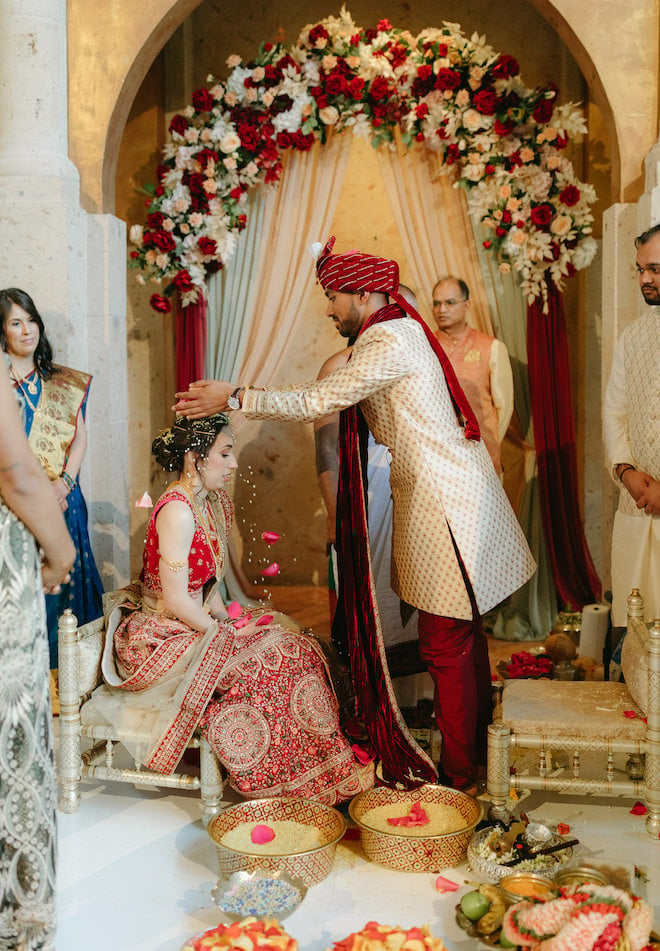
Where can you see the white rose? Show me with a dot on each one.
(329, 115)
(472, 120)
(168, 224)
(561, 225)
(229, 142)
(135, 234)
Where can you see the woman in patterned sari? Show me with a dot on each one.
(259, 687)
(55, 399)
(28, 511)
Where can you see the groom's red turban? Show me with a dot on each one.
(354, 271)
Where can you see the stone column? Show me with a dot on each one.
(70, 262)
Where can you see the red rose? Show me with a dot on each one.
(196, 183)
(543, 110)
(379, 89)
(419, 137)
(284, 140)
(163, 240)
(159, 191)
(505, 66)
(335, 84)
(182, 281)
(490, 169)
(207, 245)
(160, 304)
(317, 32)
(443, 49)
(204, 156)
(241, 222)
(485, 102)
(383, 26)
(541, 216)
(271, 75)
(322, 102)
(503, 128)
(155, 220)
(421, 110)
(249, 137)
(284, 62)
(570, 196)
(486, 244)
(424, 72)
(202, 100)
(179, 124)
(447, 79)
(561, 141)
(355, 87)
(162, 171)
(303, 142)
(355, 39)
(506, 217)
(135, 255)
(236, 193)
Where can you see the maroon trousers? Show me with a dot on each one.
(456, 654)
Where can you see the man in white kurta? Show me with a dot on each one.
(457, 547)
(631, 420)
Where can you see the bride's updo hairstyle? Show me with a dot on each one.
(186, 435)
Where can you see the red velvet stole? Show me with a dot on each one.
(356, 630)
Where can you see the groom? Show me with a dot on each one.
(457, 548)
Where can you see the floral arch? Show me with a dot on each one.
(451, 92)
(504, 143)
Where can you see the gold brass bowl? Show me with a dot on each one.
(312, 865)
(405, 853)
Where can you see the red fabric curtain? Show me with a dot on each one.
(554, 433)
(190, 343)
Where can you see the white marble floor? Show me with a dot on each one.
(136, 870)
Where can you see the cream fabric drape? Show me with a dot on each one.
(255, 304)
(300, 213)
(432, 219)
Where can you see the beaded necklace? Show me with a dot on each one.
(209, 525)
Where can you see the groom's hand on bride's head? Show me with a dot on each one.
(204, 398)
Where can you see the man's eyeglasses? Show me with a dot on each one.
(449, 303)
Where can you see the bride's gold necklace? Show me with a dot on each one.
(209, 525)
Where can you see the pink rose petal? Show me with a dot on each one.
(262, 834)
(270, 537)
(271, 570)
(416, 817)
(264, 619)
(144, 502)
(443, 885)
(242, 621)
(234, 610)
(361, 755)
(631, 714)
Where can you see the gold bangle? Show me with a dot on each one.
(174, 565)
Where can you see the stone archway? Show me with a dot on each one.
(127, 40)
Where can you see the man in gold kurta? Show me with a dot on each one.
(457, 548)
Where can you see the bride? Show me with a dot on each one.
(257, 686)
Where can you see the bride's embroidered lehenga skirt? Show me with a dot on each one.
(260, 690)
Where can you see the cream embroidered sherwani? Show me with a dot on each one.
(631, 423)
(442, 483)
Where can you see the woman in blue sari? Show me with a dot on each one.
(55, 399)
